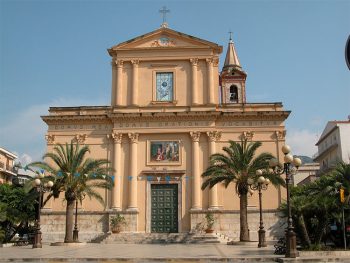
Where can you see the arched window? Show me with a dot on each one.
(233, 93)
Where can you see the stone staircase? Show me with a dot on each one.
(163, 238)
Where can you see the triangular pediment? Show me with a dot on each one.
(165, 38)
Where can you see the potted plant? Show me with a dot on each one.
(210, 222)
(117, 222)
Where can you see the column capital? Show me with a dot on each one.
(215, 62)
(214, 135)
(113, 63)
(209, 61)
(50, 138)
(80, 138)
(280, 135)
(119, 63)
(117, 137)
(133, 137)
(135, 62)
(247, 135)
(195, 136)
(194, 61)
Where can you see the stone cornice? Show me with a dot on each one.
(109, 115)
(52, 119)
(168, 116)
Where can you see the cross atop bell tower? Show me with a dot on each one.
(163, 11)
(232, 77)
(230, 32)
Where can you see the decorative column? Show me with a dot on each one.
(80, 138)
(133, 172)
(118, 91)
(50, 139)
(114, 80)
(279, 136)
(213, 192)
(117, 138)
(194, 63)
(210, 81)
(247, 135)
(135, 81)
(196, 185)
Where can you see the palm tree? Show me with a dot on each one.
(76, 176)
(342, 173)
(236, 165)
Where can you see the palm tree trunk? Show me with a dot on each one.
(244, 233)
(323, 222)
(69, 221)
(304, 231)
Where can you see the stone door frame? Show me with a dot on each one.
(149, 201)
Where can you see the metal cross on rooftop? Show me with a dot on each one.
(230, 32)
(163, 12)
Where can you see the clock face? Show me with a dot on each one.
(165, 86)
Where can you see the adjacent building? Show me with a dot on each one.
(171, 108)
(6, 166)
(306, 173)
(333, 145)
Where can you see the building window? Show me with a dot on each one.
(164, 86)
(233, 93)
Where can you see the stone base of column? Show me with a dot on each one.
(195, 209)
(46, 209)
(132, 209)
(116, 209)
(213, 208)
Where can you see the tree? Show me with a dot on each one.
(314, 206)
(236, 165)
(17, 209)
(75, 175)
(342, 174)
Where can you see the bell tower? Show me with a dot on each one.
(232, 77)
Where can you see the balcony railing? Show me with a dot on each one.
(323, 153)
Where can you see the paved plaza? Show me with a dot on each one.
(247, 252)
(139, 253)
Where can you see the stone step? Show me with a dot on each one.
(163, 238)
(146, 238)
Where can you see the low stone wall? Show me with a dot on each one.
(91, 225)
(94, 226)
(227, 222)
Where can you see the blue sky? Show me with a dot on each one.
(54, 53)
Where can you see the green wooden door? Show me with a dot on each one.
(164, 217)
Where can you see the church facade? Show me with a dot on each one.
(171, 108)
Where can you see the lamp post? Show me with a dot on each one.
(40, 188)
(76, 231)
(261, 184)
(291, 244)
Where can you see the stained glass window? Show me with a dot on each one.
(164, 86)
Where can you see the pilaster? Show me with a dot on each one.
(116, 201)
(119, 91)
(213, 137)
(114, 82)
(135, 81)
(194, 64)
(210, 80)
(133, 172)
(196, 186)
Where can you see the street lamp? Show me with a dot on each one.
(291, 244)
(76, 231)
(261, 184)
(40, 188)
